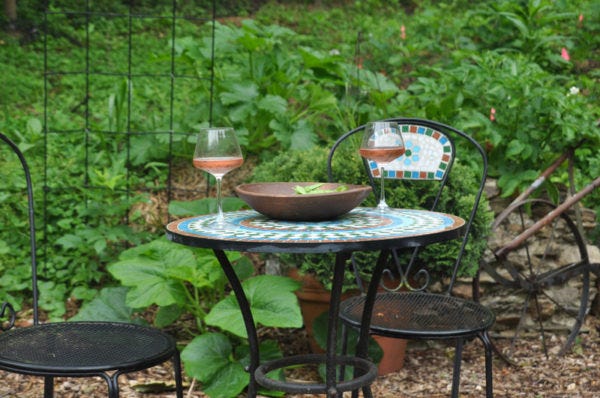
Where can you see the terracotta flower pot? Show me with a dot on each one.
(314, 300)
(394, 351)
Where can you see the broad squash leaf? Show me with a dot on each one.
(108, 306)
(149, 271)
(209, 358)
(272, 302)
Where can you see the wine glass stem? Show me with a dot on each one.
(382, 204)
(220, 217)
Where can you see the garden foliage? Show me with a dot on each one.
(520, 76)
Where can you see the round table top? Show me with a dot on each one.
(361, 229)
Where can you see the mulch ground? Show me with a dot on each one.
(427, 373)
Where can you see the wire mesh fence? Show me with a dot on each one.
(121, 105)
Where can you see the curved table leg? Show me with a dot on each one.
(246, 314)
(336, 294)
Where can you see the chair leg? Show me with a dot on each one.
(457, 365)
(48, 387)
(178, 378)
(342, 375)
(488, 346)
(113, 384)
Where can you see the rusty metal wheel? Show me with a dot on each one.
(542, 283)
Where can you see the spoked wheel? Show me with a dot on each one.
(541, 292)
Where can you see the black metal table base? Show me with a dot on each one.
(365, 372)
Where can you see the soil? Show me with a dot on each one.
(427, 373)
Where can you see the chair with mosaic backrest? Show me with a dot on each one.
(404, 307)
(77, 349)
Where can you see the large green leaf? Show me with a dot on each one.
(303, 136)
(167, 315)
(206, 355)
(273, 104)
(109, 305)
(148, 270)
(239, 93)
(229, 382)
(269, 350)
(149, 283)
(272, 302)
(209, 358)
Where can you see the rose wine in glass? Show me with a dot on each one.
(382, 143)
(218, 152)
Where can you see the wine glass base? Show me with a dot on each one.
(382, 206)
(219, 224)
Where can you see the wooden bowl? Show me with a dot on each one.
(279, 200)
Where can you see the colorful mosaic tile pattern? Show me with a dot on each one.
(359, 225)
(428, 154)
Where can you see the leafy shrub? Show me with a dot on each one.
(279, 92)
(535, 117)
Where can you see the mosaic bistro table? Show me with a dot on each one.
(363, 229)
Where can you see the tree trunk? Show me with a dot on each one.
(10, 9)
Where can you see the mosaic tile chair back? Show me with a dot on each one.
(428, 155)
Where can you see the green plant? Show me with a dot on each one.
(503, 55)
(527, 27)
(178, 282)
(277, 91)
(525, 115)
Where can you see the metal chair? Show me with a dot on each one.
(407, 310)
(78, 349)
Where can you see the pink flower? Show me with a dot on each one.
(580, 21)
(493, 114)
(403, 32)
(565, 55)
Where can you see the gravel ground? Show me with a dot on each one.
(426, 374)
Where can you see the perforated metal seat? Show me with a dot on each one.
(78, 349)
(422, 315)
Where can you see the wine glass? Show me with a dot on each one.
(382, 143)
(217, 152)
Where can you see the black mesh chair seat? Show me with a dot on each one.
(78, 347)
(420, 315)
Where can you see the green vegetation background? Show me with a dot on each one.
(521, 76)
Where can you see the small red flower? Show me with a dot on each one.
(492, 114)
(580, 20)
(565, 54)
(403, 32)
